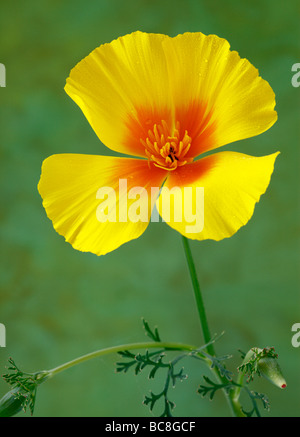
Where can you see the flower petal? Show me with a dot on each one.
(232, 183)
(219, 98)
(75, 189)
(122, 86)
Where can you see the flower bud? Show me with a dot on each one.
(10, 404)
(263, 362)
(270, 369)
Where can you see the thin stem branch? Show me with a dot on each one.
(115, 349)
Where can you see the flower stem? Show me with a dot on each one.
(198, 297)
(232, 401)
(114, 349)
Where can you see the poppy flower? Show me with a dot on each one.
(164, 102)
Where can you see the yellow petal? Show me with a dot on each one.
(218, 97)
(123, 87)
(78, 196)
(232, 184)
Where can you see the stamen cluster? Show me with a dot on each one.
(165, 150)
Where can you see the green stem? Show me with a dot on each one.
(233, 402)
(114, 349)
(198, 296)
(237, 391)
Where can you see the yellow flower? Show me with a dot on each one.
(167, 100)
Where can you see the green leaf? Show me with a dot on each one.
(153, 335)
(24, 389)
(212, 387)
(151, 401)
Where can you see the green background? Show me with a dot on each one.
(57, 303)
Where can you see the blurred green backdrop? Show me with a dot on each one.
(57, 303)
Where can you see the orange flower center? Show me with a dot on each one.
(165, 150)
